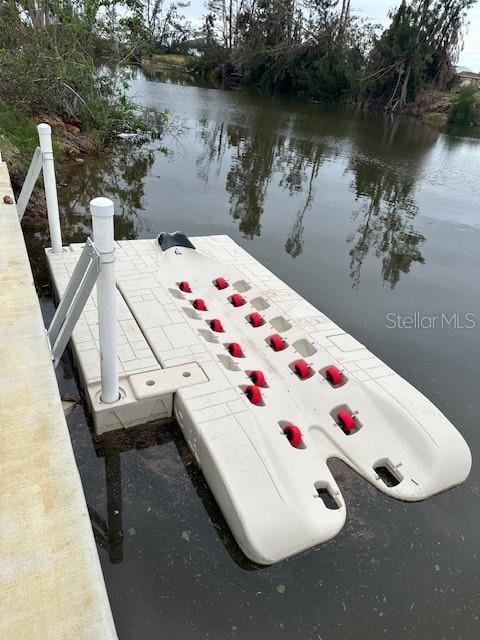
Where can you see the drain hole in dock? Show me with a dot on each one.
(186, 374)
(150, 383)
(191, 313)
(208, 336)
(176, 294)
(228, 362)
(327, 498)
(387, 473)
(241, 286)
(304, 348)
(280, 324)
(260, 304)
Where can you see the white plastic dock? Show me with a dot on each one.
(51, 583)
(276, 493)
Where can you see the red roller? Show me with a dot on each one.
(293, 434)
(237, 300)
(235, 350)
(346, 421)
(199, 305)
(302, 369)
(216, 325)
(253, 394)
(255, 319)
(277, 342)
(333, 375)
(258, 378)
(184, 286)
(220, 283)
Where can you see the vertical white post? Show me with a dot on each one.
(102, 219)
(45, 137)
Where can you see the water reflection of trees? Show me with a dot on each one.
(258, 157)
(386, 223)
(385, 159)
(118, 175)
(385, 169)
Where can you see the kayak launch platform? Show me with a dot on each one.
(264, 387)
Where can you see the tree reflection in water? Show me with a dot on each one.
(118, 175)
(258, 155)
(386, 223)
(271, 152)
(385, 173)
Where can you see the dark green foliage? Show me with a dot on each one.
(317, 49)
(419, 48)
(465, 109)
(49, 65)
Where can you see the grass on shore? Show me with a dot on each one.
(436, 120)
(18, 138)
(167, 60)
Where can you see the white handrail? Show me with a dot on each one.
(43, 160)
(50, 184)
(103, 237)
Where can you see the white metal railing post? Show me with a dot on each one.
(103, 237)
(45, 137)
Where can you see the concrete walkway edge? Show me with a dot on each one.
(51, 583)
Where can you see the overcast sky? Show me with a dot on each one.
(377, 10)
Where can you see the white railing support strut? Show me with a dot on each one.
(29, 183)
(45, 137)
(103, 238)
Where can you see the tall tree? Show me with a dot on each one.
(421, 45)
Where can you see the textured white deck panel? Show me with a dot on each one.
(267, 489)
(51, 584)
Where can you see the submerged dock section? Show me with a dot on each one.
(51, 583)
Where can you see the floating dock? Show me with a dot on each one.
(51, 583)
(265, 388)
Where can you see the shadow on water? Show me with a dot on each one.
(109, 533)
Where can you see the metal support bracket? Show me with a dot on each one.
(76, 294)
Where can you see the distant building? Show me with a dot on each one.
(469, 79)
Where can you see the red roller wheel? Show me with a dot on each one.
(333, 375)
(346, 420)
(277, 342)
(235, 350)
(237, 300)
(199, 305)
(253, 394)
(301, 369)
(184, 286)
(293, 434)
(220, 283)
(216, 325)
(258, 378)
(255, 319)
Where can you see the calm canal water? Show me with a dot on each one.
(365, 217)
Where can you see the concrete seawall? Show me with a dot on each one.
(51, 583)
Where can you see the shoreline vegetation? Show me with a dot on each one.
(68, 63)
(431, 106)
